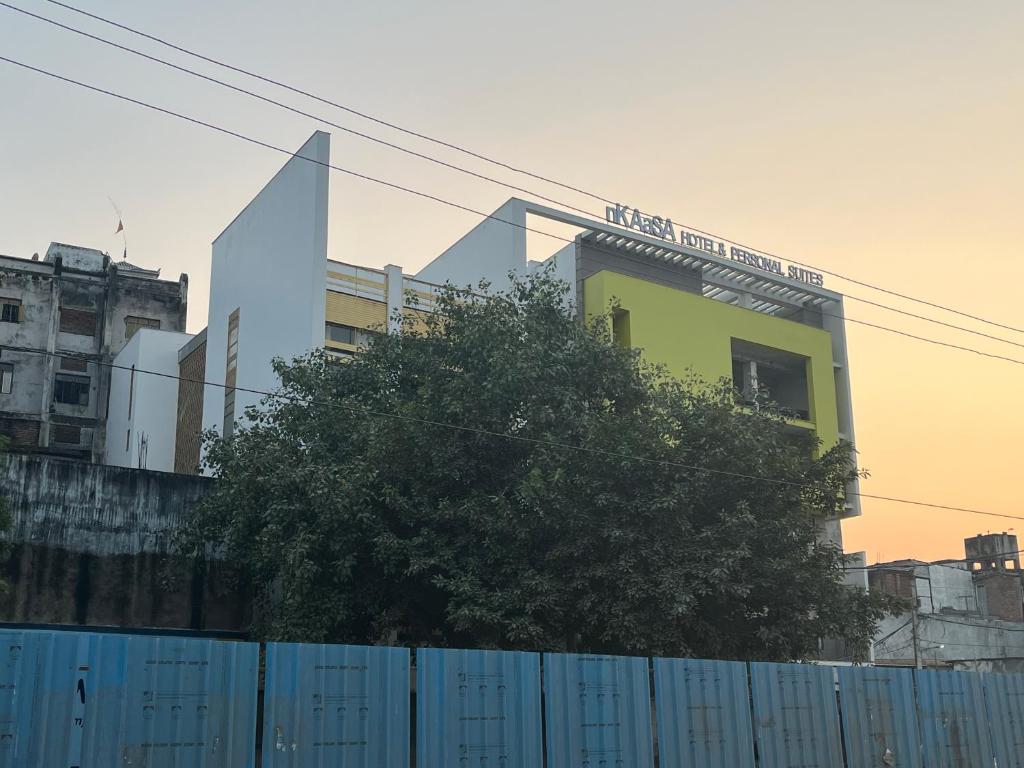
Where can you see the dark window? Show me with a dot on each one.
(6, 378)
(67, 434)
(71, 390)
(766, 375)
(620, 327)
(10, 311)
(133, 324)
(347, 334)
(81, 322)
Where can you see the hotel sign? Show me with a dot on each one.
(656, 226)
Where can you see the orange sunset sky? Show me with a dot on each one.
(878, 140)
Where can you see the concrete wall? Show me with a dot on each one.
(270, 264)
(489, 251)
(945, 639)
(92, 545)
(142, 415)
(94, 509)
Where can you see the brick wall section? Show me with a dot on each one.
(1003, 594)
(895, 583)
(23, 433)
(190, 411)
(81, 322)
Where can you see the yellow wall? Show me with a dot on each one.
(343, 309)
(684, 331)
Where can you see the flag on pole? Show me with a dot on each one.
(120, 227)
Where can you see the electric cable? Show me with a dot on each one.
(479, 156)
(429, 158)
(500, 435)
(443, 201)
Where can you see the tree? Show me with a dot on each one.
(500, 474)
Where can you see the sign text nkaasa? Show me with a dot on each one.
(656, 226)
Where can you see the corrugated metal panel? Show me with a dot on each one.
(64, 693)
(1004, 696)
(952, 714)
(796, 720)
(597, 711)
(170, 702)
(19, 652)
(477, 708)
(879, 717)
(337, 706)
(703, 712)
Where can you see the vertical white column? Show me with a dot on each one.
(395, 291)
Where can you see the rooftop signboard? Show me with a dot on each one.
(660, 227)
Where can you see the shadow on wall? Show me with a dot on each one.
(50, 585)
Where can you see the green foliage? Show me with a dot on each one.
(357, 516)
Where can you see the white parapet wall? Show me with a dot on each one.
(269, 265)
(142, 412)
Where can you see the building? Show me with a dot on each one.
(63, 320)
(994, 561)
(962, 612)
(689, 302)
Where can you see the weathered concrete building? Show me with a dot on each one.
(968, 612)
(994, 561)
(63, 319)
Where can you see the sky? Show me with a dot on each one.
(878, 140)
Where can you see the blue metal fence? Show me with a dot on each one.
(796, 720)
(879, 717)
(170, 702)
(703, 714)
(19, 652)
(951, 709)
(337, 706)
(598, 711)
(477, 708)
(1004, 699)
(91, 700)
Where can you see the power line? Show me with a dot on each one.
(432, 159)
(479, 156)
(505, 435)
(443, 201)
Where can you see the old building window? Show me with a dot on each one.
(81, 322)
(10, 310)
(6, 378)
(133, 324)
(71, 390)
(230, 374)
(67, 434)
(76, 364)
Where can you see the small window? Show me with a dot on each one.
(81, 322)
(10, 310)
(71, 390)
(347, 334)
(1010, 565)
(6, 378)
(620, 328)
(133, 324)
